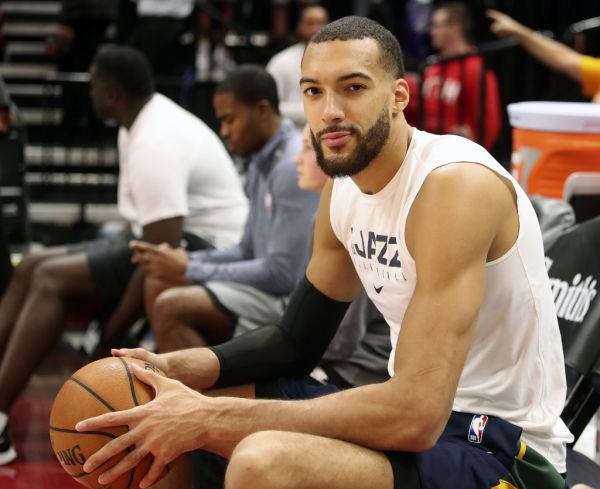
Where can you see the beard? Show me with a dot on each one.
(367, 148)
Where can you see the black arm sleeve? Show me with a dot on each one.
(291, 349)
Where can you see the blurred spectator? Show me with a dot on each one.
(80, 31)
(8, 111)
(451, 91)
(213, 60)
(414, 37)
(157, 33)
(245, 286)
(282, 15)
(285, 66)
(581, 68)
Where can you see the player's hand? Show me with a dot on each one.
(160, 261)
(161, 361)
(503, 25)
(165, 427)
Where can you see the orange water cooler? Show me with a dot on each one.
(552, 140)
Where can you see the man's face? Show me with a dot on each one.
(239, 124)
(348, 101)
(311, 21)
(102, 95)
(442, 29)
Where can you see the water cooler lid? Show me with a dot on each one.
(575, 117)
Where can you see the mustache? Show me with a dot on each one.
(331, 129)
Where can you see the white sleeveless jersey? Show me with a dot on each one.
(515, 366)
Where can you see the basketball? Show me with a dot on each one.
(100, 387)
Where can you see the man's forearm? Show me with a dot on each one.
(198, 368)
(368, 416)
(550, 52)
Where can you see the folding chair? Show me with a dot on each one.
(574, 269)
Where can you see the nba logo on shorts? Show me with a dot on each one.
(477, 427)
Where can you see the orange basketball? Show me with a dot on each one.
(100, 387)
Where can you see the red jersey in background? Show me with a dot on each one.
(451, 97)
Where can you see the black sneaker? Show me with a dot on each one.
(7, 451)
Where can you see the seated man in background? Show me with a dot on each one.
(451, 91)
(213, 294)
(581, 68)
(176, 179)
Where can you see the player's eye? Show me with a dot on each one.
(311, 91)
(355, 87)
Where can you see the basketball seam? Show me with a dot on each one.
(75, 432)
(130, 378)
(136, 403)
(92, 392)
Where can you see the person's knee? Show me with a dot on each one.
(46, 278)
(166, 307)
(257, 462)
(24, 271)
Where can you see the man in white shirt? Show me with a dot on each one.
(285, 66)
(176, 181)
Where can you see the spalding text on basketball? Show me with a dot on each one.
(71, 456)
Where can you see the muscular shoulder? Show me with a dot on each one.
(459, 201)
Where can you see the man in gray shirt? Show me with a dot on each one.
(245, 286)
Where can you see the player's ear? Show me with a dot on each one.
(401, 96)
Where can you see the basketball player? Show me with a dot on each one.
(448, 247)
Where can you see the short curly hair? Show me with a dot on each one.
(353, 27)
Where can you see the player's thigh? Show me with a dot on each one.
(274, 459)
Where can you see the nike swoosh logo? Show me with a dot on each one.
(378, 289)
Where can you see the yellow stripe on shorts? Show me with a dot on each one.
(504, 485)
(522, 450)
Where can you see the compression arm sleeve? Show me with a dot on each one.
(291, 349)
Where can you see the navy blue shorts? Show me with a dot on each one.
(475, 451)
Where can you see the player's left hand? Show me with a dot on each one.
(165, 427)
